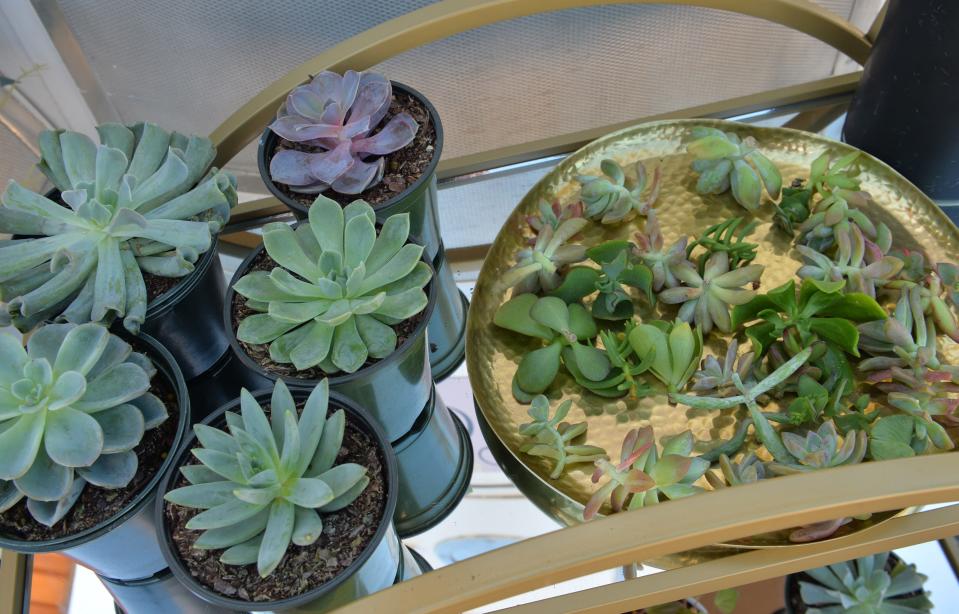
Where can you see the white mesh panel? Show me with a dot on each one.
(189, 63)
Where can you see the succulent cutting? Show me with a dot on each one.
(538, 267)
(143, 201)
(264, 482)
(674, 350)
(336, 119)
(725, 161)
(612, 197)
(552, 438)
(338, 288)
(73, 406)
(616, 273)
(563, 327)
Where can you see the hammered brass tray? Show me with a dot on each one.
(492, 354)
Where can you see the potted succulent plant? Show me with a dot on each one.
(879, 584)
(128, 233)
(88, 422)
(359, 135)
(333, 297)
(282, 505)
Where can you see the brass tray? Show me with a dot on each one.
(492, 354)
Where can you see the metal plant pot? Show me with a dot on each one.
(376, 568)
(159, 594)
(106, 547)
(447, 328)
(394, 390)
(904, 110)
(434, 467)
(419, 199)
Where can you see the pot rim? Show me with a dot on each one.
(358, 418)
(167, 366)
(341, 378)
(268, 137)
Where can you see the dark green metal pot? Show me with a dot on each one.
(419, 199)
(376, 568)
(447, 327)
(105, 547)
(161, 593)
(393, 390)
(434, 466)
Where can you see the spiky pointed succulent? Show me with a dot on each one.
(865, 586)
(724, 162)
(616, 273)
(674, 350)
(612, 197)
(552, 438)
(567, 331)
(661, 261)
(538, 267)
(340, 116)
(707, 298)
(142, 201)
(337, 289)
(264, 482)
(821, 449)
(643, 474)
(73, 406)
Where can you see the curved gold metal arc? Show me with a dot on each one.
(749, 567)
(674, 526)
(13, 580)
(444, 19)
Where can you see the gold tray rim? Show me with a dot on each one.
(538, 489)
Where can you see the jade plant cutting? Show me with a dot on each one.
(338, 121)
(724, 162)
(337, 290)
(142, 201)
(617, 273)
(552, 438)
(613, 197)
(562, 327)
(263, 483)
(73, 406)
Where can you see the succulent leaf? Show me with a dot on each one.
(612, 197)
(332, 305)
(257, 514)
(74, 422)
(724, 161)
(143, 201)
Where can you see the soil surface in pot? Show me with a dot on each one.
(345, 534)
(96, 505)
(260, 353)
(403, 167)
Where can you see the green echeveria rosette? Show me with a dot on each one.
(337, 290)
(263, 482)
(142, 201)
(73, 406)
(866, 585)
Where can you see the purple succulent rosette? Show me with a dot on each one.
(338, 114)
